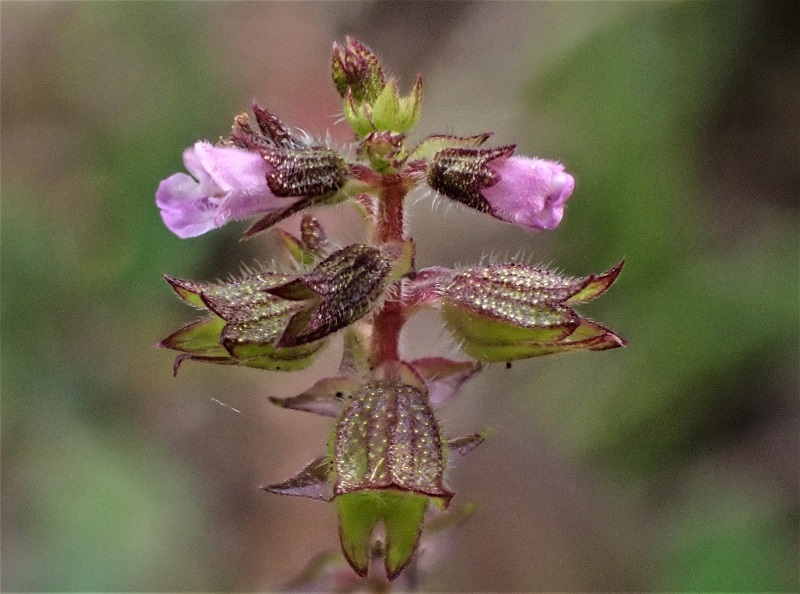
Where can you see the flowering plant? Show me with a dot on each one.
(387, 457)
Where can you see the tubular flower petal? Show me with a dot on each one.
(226, 183)
(530, 193)
(527, 192)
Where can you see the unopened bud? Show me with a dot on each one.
(355, 66)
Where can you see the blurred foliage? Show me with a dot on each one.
(72, 283)
(93, 498)
(712, 323)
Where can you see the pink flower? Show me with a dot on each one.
(527, 192)
(530, 192)
(227, 183)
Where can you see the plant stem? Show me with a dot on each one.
(390, 208)
(390, 228)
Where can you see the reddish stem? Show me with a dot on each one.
(390, 319)
(390, 208)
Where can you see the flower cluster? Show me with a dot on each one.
(388, 457)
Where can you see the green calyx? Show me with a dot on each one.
(511, 311)
(402, 515)
(243, 327)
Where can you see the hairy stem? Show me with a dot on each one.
(390, 228)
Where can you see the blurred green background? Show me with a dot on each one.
(669, 465)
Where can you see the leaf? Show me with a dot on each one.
(310, 482)
(325, 398)
(444, 377)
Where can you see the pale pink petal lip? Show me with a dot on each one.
(227, 183)
(530, 192)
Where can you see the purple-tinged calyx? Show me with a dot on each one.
(298, 168)
(277, 321)
(386, 465)
(343, 288)
(388, 438)
(527, 192)
(512, 311)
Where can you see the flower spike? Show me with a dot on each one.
(385, 466)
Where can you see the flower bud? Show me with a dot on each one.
(371, 103)
(527, 192)
(386, 462)
(511, 311)
(355, 66)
